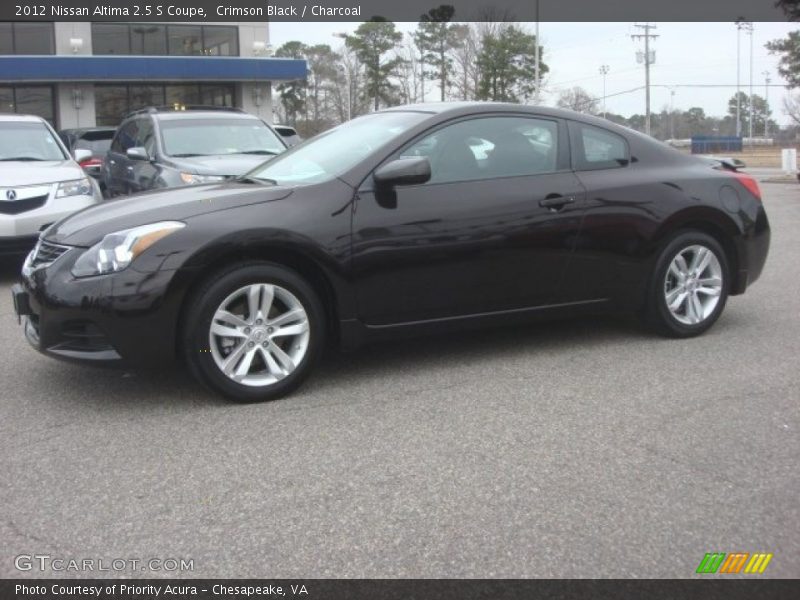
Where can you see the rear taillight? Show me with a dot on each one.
(749, 182)
(91, 162)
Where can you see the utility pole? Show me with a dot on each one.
(740, 25)
(766, 103)
(604, 71)
(672, 112)
(537, 96)
(750, 32)
(648, 60)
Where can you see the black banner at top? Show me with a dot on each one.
(395, 10)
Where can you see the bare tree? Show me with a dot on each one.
(465, 60)
(791, 106)
(579, 100)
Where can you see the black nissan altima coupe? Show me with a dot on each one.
(412, 220)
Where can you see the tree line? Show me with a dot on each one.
(378, 66)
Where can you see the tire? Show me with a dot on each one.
(293, 329)
(697, 299)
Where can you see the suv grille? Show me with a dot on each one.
(46, 253)
(20, 206)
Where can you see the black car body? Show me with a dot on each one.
(95, 139)
(577, 216)
(158, 148)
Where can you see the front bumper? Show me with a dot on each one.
(31, 222)
(127, 318)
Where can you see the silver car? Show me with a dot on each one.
(40, 183)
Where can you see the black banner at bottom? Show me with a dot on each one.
(398, 589)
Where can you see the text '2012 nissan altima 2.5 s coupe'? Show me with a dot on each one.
(411, 220)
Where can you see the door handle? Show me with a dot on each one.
(556, 202)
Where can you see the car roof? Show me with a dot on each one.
(15, 118)
(201, 114)
(82, 130)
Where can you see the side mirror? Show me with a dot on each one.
(404, 171)
(137, 153)
(81, 154)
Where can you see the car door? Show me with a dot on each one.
(117, 161)
(492, 231)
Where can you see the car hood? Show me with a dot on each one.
(19, 173)
(87, 227)
(229, 166)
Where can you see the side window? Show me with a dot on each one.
(488, 148)
(600, 149)
(126, 138)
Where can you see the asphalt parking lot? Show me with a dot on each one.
(588, 448)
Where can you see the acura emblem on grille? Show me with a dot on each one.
(11, 194)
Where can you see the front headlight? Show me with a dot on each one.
(76, 187)
(117, 250)
(194, 178)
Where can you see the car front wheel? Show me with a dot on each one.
(689, 287)
(254, 332)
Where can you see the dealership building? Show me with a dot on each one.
(81, 74)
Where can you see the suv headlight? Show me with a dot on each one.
(193, 178)
(117, 250)
(76, 187)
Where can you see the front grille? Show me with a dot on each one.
(46, 253)
(15, 207)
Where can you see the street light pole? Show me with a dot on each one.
(537, 95)
(766, 103)
(604, 71)
(740, 25)
(750, 31)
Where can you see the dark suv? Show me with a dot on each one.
(164, 147)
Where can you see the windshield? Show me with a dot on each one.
(98, 142)
(215, 137)
(333, 152)
(28, 142)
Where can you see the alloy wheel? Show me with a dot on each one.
(693, 284)
(259, 334)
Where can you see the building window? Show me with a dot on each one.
(148, 39)
(29, 100)
(27, 38)
(220, 41)
(110, 38)
(113, 102)
(163, 40)
(185, 40)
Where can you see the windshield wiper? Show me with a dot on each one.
(261, 180)
(188, 155)
(22, 158)
(264, 152)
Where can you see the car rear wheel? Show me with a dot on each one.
(254, 332)
(689, 287)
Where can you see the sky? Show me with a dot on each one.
(687, 55)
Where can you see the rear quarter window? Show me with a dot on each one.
(598, 148)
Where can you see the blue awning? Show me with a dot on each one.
(49, 69)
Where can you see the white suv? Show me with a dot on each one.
(40, 183)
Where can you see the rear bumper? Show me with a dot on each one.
(753, 249)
